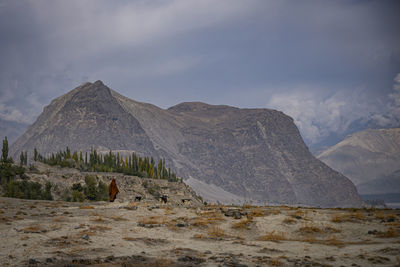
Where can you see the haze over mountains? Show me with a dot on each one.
(370, 158)
(235, 153)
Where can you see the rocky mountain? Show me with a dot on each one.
(366, 155)
(11, 129)
(240, 154)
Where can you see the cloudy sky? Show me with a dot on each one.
(328, 64)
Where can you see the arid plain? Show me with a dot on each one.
(56, 233)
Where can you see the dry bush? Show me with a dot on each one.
(153, 220)
(206, 219)
(289, 221)
(98, 228)
(330, 229)
(309, 229)
(216, 232)
(99, 219)
(257, 212)
(33, 228)
(333, 241)
(243, 224)
(199, 236)
(88, 207)
(274, 212)
(162, 262)
(117, 218)
(389, 233)
(25, 237)
(272, 236)
(60, 219)
(129, 238)
(275, 262)
(348, 217)
(246, 206)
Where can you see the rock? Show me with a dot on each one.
(32, 262)
(183, 224)
(193, 259)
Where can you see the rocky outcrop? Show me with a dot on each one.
(255, 154)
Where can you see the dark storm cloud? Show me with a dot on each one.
(281, 54)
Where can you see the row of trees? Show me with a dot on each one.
(109, 162)
(8, 169)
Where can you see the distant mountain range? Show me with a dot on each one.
(370, 158)
(225, 153)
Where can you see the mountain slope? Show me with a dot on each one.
(389, 184)
(366, 155)
(252, 153)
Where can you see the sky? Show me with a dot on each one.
(334, 66)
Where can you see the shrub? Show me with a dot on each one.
(77, 196)
(102, 191)
(90, 188)
(27, 190)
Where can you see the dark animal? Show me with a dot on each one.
(138, 198)
(164, 198)
(113, 190)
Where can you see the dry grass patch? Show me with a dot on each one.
(216, 232)
(153, 220)
(273, 236)
(99, 219)
(117, 218)
(60, 219)
(88, 207)
(99, 228)
(257, 212)
(348, 217)
(33, 228)
(389, 233)
(310, 229)
(243, 224)
(206, 219)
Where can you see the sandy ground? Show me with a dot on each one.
(53, 233)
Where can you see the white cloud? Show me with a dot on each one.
(318, 116)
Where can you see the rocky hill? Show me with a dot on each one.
(242, 154)
(130, 187)
(366, 155)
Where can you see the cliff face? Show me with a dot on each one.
(249, 153)
(366, 155)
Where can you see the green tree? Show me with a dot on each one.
(90, 188)
(47, 192)
(35, 154)
(4, 151)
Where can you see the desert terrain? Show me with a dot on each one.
(57, 233)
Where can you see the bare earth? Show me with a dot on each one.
(55, 233)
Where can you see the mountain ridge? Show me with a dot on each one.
(252, 153)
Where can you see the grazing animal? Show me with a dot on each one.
(113, 190)
(164, 198)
